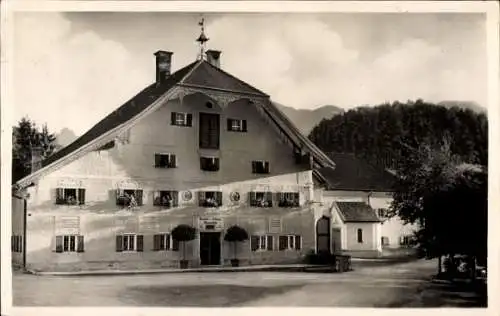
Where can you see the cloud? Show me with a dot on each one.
(71, 73)
(70, 80)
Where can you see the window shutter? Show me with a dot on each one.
(254, 243)
(218, 196)
(140, 243)
(119, 243)
(81, 196)
(269, 198)
(189, 119)
(119, 194)
(217, 164)
(59, 243)
(175, 198)
(229, 124)
(138, 197)
(156, 242)
(157, 160)
(59, 196)
(202, 163)
(172, 118)
(298, 242)
(12, 243)
(266, 167)
(254, 166)
(279, 197)
(201, 197)
(175, 245)
(173, 161)
(283, 243)
(270, 245)
(253, 198)
(156, 198)
(79, 246)
(167, 242)
(244, 125)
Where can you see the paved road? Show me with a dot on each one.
(381, 286)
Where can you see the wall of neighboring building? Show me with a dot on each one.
(393, 229)
(17, 248)
(130, 164)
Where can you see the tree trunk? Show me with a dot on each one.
(183, 250)
(439, 265)
(235, 250)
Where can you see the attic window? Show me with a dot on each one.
(260, 166)
(70, 196)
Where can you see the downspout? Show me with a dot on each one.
(25, 220)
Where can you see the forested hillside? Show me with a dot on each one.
(384, 134)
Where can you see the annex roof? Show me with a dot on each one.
(357, 212)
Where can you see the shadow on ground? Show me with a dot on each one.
(222, 295)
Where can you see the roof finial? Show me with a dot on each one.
(202, 39)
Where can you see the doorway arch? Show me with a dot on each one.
(323, 235)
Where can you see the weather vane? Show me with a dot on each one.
(202, 39)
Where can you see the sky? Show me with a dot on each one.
(72, 69)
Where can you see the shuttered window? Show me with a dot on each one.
(16, 243)
(360, 236)
(209, 164)
(129, 242)
(260, 167)
(235, 125)
(129, 198)
(69, 243)
(290, 242)
(166, 199)
(210, 198)
(181, 119)
(262, 242)
(162, 242)
(261, 199)
(165, 161)
(209, 131)
(283, 243)
(70, 196)
(288, 199)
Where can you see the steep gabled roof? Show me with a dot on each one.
(198, 74)
(355, 174)
(357, 212)
(205, 75)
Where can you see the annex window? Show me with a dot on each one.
(16, 243)
(162, 242)
(385, 241)
(209, 163)
(69, 243)
(406, 240)
(165, 161)
(210, 198)
(70, 196)
(288, 199)
(262, 242)
(261, 199)
(129, 242)
(182, 119)
(261, 167)
(382, 213)
(129, 198)
(290, 242)
(234, 125)
(166, 199)
(360, 235)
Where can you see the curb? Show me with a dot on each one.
(193, 270)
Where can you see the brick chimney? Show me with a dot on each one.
(213, 57)
(163, 65)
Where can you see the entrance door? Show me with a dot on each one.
(209, 130)
(210, 248)
(323, 235)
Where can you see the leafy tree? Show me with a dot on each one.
(26, 139)
(446, 198)
(235, 234)
(183, 233)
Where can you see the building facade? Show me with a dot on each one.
(197, 147)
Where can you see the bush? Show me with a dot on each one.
(183, 233)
